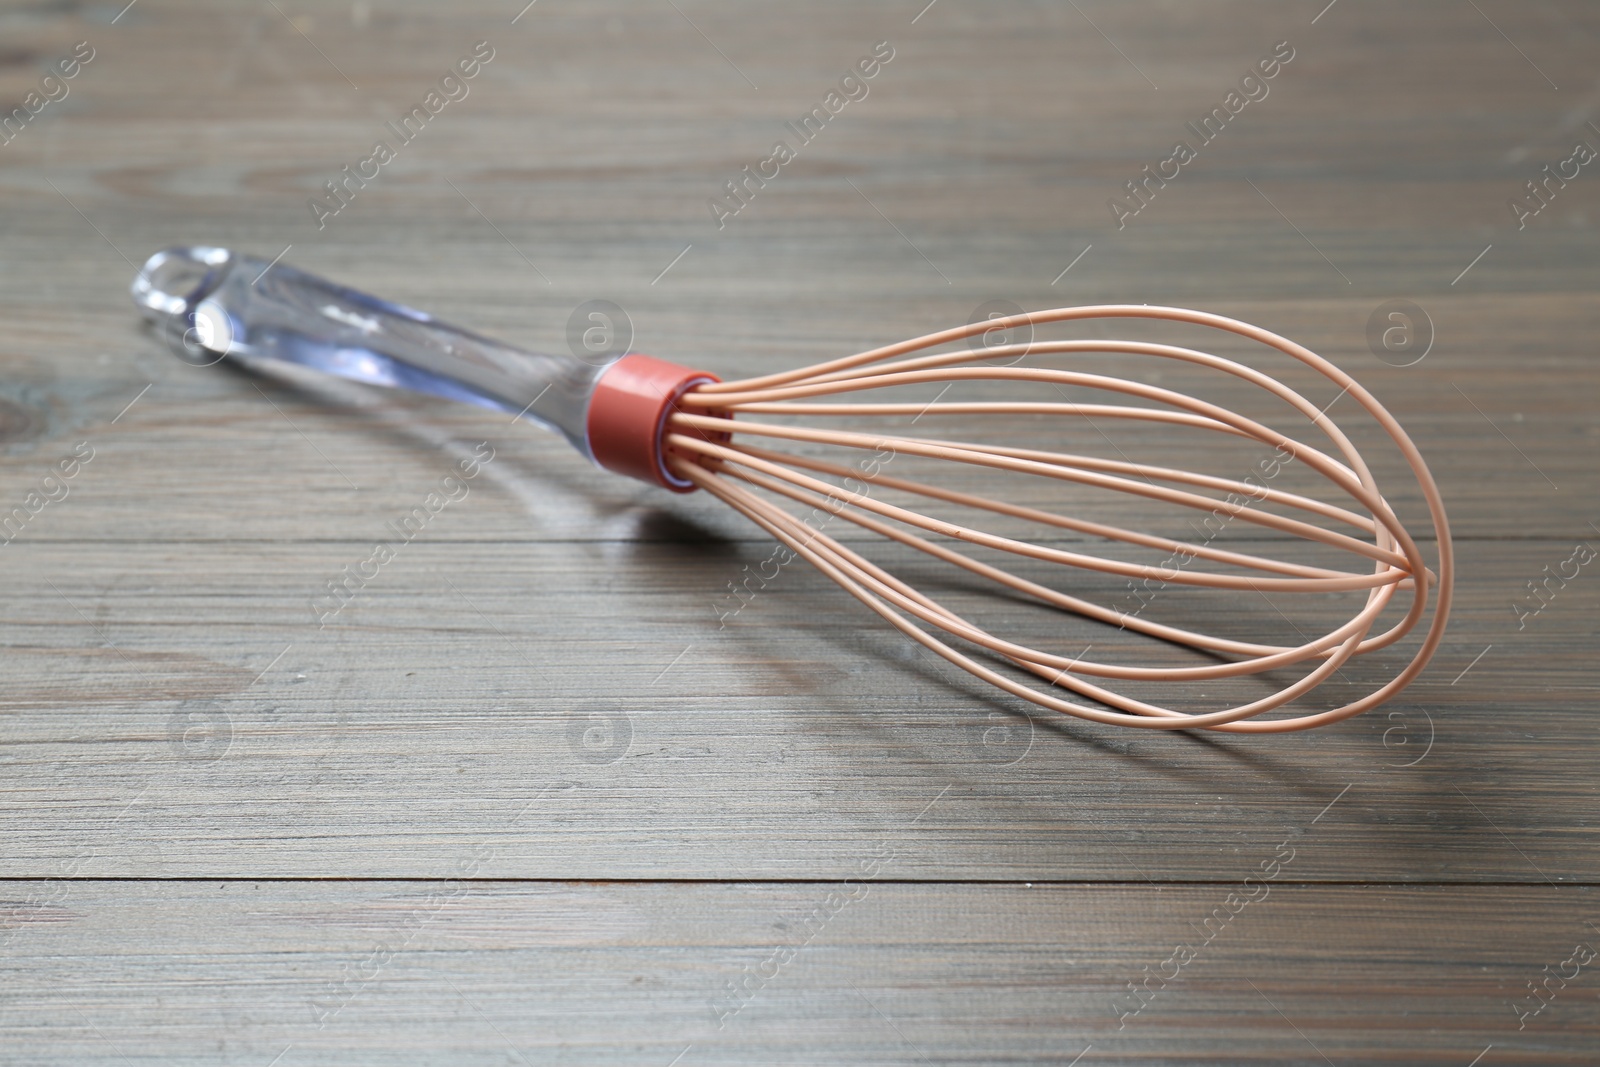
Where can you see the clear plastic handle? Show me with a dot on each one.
(225, 305)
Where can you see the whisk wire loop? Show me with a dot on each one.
(709, 438)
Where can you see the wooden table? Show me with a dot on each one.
(533, 798)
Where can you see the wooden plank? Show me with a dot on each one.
(815, 973)
(470, 680)
(230, 457)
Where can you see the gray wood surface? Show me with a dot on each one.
(217, 818)
(493, 972)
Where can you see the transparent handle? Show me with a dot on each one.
(226, 305)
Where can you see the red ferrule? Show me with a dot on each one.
(628, 417)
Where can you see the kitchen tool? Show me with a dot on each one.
(682, 429)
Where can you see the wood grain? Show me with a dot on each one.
(460, 683)
(214, 810)
(818, 973)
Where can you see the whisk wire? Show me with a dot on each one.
(707, 444)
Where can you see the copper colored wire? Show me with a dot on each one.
(754, 479)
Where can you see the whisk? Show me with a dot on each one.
(684, 429)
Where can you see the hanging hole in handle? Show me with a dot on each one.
(174, 280)
(172, 291)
